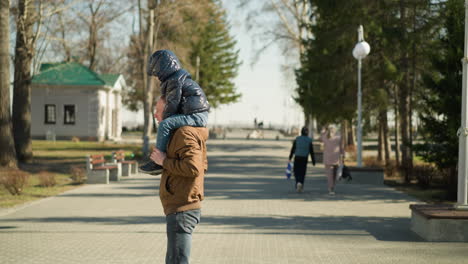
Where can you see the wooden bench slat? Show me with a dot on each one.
(105, 167)
(128, 161)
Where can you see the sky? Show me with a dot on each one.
(265, 93)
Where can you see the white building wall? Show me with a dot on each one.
(93, 111)
(60, 97)
(102, 103)
(93, 114)
(118, 101)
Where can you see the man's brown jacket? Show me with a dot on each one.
(181, 186)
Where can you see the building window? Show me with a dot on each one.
(69, 115)
(49, 114)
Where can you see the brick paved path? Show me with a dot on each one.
(251, 215)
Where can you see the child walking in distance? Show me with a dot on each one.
(186, 103)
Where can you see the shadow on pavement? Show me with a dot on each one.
(382, 228)
(246, 165)
(252, 146)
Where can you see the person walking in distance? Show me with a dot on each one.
(182, 185)
(332, 155)
(301, 148)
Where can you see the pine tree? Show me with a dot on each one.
(327, 79)
(441, 101)
(218, 58)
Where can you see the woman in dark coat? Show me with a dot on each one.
(301, 148)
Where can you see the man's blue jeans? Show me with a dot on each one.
(179, 230)
(168, 125)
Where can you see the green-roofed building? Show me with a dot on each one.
(69, 100)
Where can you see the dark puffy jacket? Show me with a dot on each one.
(183, 95)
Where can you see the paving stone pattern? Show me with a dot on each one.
(251, 215)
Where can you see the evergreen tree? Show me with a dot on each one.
(327, 79)
(441, 101)
(218, 58)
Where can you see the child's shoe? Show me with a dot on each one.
(151, 168)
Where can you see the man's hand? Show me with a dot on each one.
(157, 156)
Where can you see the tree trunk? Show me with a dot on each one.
(351, 135)
(384, 144)
(397, 132)
(404, 104)
(406, 159)
(24, 52)
(148, 102)
(310, 125)
(380, 144)
(92, 43)
(386, 137)
(344, 132)
(8, 154)
(411, 92)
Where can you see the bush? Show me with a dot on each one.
(371, 161)
(424, 174)
(391, 169)
(78, 175)
(14, 180)
(47, 179)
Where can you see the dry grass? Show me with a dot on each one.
(46, 179)
(77, 174)
(34, 191)
(53, 161)
(14, 180)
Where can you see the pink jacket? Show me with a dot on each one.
(332, 149)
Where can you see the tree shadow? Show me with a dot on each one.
(253, 146)
(280, 188)
(263, 177)
(381, 228)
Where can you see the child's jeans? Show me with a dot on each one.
(168, 125)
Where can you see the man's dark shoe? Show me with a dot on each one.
(151, 168)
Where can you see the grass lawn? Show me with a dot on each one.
(428, 195)
(58, 158)
(33, 191)
(435, 193)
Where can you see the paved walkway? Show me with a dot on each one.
(251, 215)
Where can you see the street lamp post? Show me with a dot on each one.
(462, 203)
(360, 51)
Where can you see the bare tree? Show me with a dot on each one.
(7, 153)
(61, 27)
(283, 22)
(96, 16)
(147, 83)
(24, 52)
(29, 22)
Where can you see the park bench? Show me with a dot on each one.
(129, 167)
(439, 222)
(99, 171)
